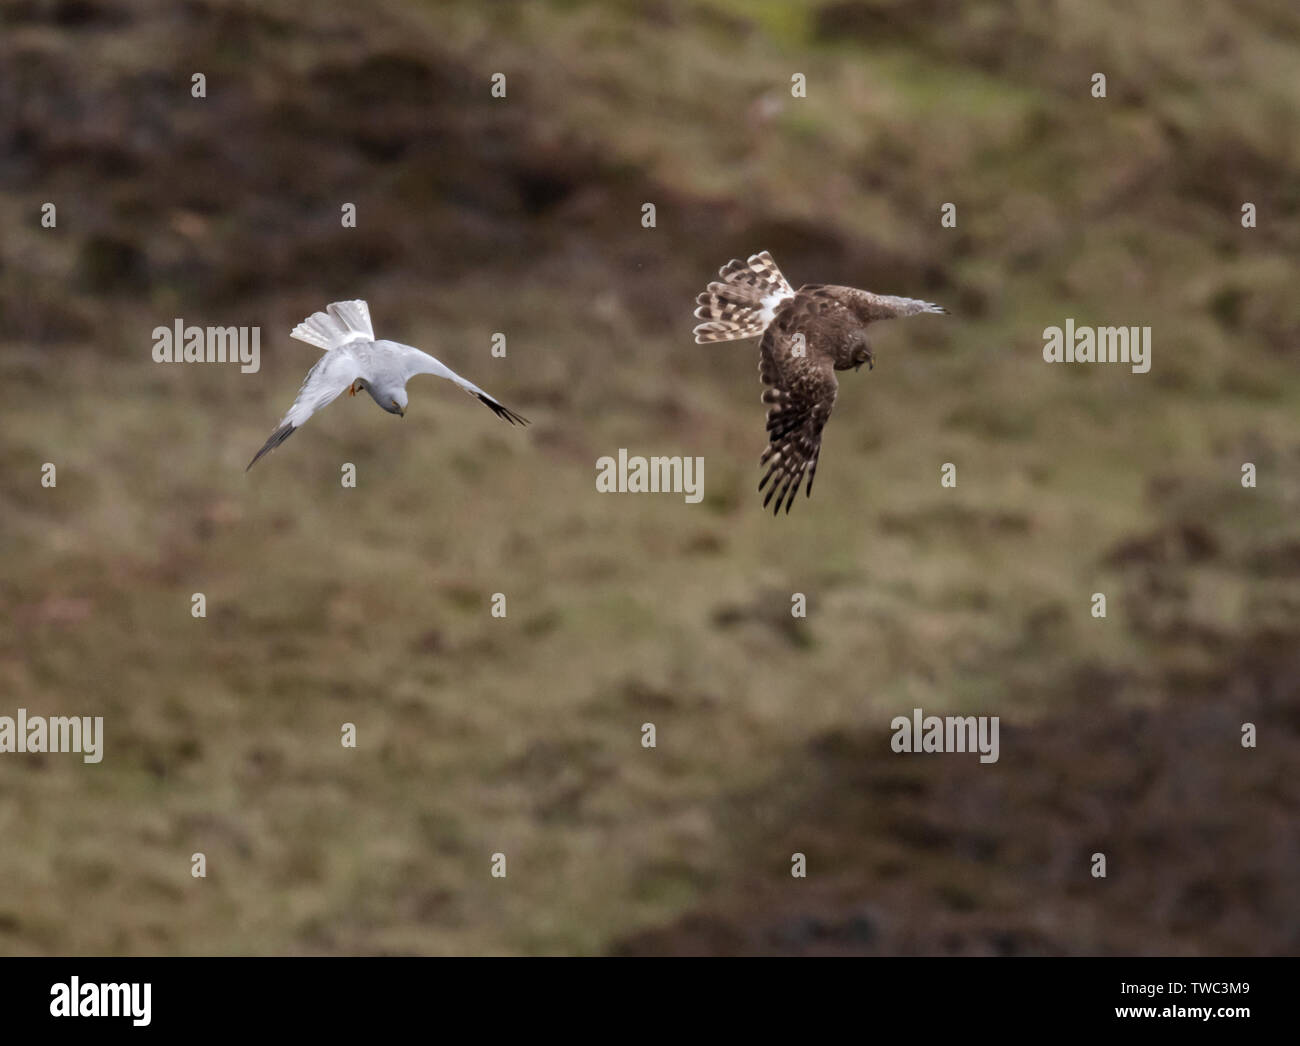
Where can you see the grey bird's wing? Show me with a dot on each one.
(413, 362)
(333, 372)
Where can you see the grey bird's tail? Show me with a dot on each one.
(341, 322)
(743, 302)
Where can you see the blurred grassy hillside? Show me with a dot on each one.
(521, 735)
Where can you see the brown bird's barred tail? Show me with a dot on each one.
(744, 302)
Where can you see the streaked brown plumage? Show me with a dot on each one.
(807, 335)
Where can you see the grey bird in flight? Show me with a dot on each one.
(808, 335)
(354, 361)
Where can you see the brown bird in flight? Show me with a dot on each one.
(807, 336)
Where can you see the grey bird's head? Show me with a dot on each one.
(391, 397)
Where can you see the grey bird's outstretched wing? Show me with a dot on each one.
(333, 372)
(414, 362)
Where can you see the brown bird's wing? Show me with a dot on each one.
(868, 307)
(800, 391)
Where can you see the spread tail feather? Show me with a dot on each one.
(342, 322)
(744, 302)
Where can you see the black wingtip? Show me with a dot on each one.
(502, 411)
(276, 438)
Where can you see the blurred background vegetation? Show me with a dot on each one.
(521, 735)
